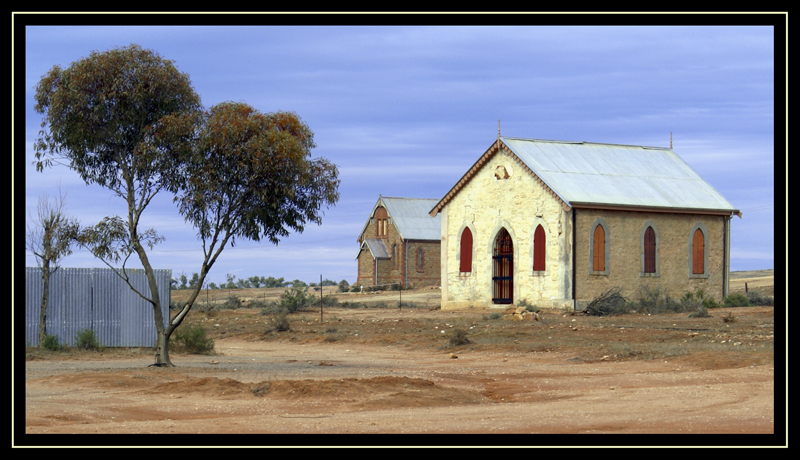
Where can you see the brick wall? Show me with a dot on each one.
(624, 264)
(394, 270)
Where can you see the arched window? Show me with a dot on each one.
(698, 253)
(420, 266)
(466, 251)
(599, 249)
(394, 255)
(538, 249)
(649, 250)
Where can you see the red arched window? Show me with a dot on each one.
(466, 251)
(599, 249)
(698, 251)
(538, 249)
(649, 250)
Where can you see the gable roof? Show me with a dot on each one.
(410, 217)
(583, 174)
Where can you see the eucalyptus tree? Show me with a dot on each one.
(50, 237)
(123, 119)
(251, 177)
(128, 120)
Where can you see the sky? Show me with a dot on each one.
(404, 111)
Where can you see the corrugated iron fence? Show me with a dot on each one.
(96, 299)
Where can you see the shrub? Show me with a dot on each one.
(294, 299)
(736, 300)
(194, 340)
(698, 303)
(458, 337)
(327, 301)
(87, 339)
(701, 312)
(232, 302)
(610, 302)
(51, 343)
(756, 298)
(278, 322)
(529, 306)
(657, 300)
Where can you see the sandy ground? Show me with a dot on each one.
(482, 394)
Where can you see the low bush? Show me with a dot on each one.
(529, 306)
(294, 299)
(736, 300)
(232, 302)
(194, 340)
(458, 337)
(87, 340)
(701, 312)
(756, 298)
(51, 343)
(278, 322)
(657, 301)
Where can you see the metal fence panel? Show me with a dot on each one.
(96, 299)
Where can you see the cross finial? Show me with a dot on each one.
(498, 128)
(670, 139)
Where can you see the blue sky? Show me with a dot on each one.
(405, 111)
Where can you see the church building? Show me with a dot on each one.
(557, 223)
(400, 244)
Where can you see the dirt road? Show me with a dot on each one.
(369, 381)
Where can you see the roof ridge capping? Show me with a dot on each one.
(552, 141)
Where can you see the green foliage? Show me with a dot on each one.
(327, 301)
(294, 299)
(51, 343)
(756, 298)
(120, 108)
(736, 300)
(87, 339)
(344, 286)
(278, 322)
(701, 312)
(194, 340)
(252, 175)
(528, 306)
(657, 301)
(698, 303)
(232, 302)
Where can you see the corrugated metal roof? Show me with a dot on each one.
(617, 175)
(376, 248)
(410, 217)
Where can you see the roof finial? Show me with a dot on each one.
(498, 128)
(670, 139)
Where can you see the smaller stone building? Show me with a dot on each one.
(400, 243)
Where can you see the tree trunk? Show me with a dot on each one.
(43, 307)
(162, 348)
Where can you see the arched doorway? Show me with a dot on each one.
(503, 268)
